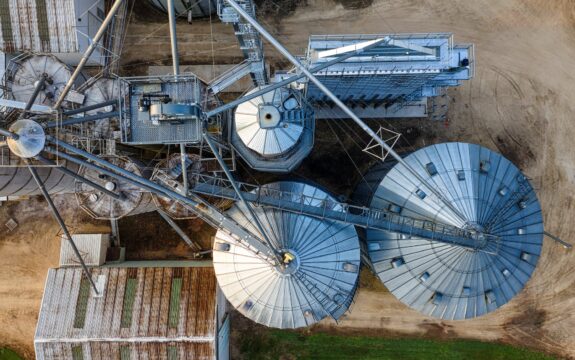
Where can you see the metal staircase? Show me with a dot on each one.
(230, 77)
(328, 305)
(377, 219)
(114, 40)
(517, 198)
(248, 38)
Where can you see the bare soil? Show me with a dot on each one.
(520, 103)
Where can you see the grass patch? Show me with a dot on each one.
(290, 345)
(7, 354)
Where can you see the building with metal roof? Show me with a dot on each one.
(318, 275)
(60, 27)
(167, 312)
(404, 69)
(457, 281)
(92, 248)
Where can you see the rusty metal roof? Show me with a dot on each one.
(148, 310)
(48, 26)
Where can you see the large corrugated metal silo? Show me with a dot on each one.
(318, 279)
(451, 281)
(274, 132)
(16, 180)
(24, 72)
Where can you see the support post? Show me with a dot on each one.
(73, 121)
(173, 38)
(9, 134)
(179, 231)
(88, 53)
(183, 158)
(90, 107)
(62, 225)
(565, 244)
(343, 107)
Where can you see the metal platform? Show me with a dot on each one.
(364, 217)
(137, 126)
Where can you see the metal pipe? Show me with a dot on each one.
(343, 107)
(179, 231)
(84, 119)
(256, 220)
(9, 134)
(206, 211)
(565, 244)
(183, 158)
(202, 209)
(173, 38)
(81, 178)
(35, 94)
(291, 79)
(62, 224)
(93, 45)
(90, 107)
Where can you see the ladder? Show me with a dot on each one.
(248, 38)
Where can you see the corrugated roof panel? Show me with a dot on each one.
(39, 26)
(150, 308)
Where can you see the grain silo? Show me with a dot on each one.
(274, 132)
(319, 271)
(101, 91)
(100, 205)
(26, 71)
(458, 281)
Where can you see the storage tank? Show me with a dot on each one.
(168, 172)
(449, 281)
(17, 181)
(274, 132)
(102, 90)
(15, 177)
(321, 264)
(104, 207)
(24, 72)
(191, 8)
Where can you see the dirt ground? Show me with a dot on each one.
(26, 254)
(519, 103)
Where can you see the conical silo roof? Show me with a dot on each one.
(263, 126)
(320, 279)
(450, 281)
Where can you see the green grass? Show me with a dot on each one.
(288, 345)
(7, 354)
